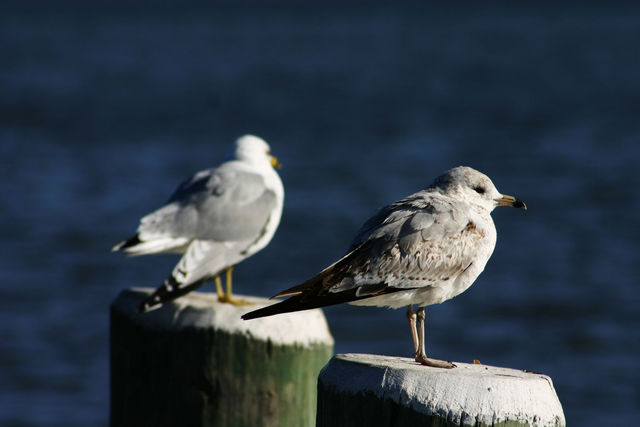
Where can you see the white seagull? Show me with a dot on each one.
(216, 218)
(424, 249)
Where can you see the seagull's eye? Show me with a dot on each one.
(479, 190)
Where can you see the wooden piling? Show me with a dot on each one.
(369, 390)
(195, 362)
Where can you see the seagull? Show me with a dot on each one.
(421, 250)
(216, 219)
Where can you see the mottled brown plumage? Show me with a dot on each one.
(423, 249)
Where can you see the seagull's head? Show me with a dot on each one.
(475, 187)
(254, 150)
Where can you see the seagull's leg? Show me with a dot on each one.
(219, 288)
(411, 316)
(227, 296)
(229, 271)
(421, 354)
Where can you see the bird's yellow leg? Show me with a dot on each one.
(219, 288)
(227, 296)
(421, 354)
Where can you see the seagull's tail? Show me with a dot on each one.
(304, 300)
(135, 246)
(167, 292)
(132, 241)
(289, 305)
(313, 293)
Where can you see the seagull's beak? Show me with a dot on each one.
(274, 162)
(511, 201)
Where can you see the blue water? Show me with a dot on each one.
(103, 112)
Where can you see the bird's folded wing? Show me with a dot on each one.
(409, 248)
(218, 205)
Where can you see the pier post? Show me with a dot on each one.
(195, 362)
(370, 390)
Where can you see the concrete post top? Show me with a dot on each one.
(203, 310)
(467, 394)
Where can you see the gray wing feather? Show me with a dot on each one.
(218, 204)
(416, 242)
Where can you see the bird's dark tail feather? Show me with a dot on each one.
(168, 291)
(302, 302)
(287, 306)
(131, 241)
(314, 293)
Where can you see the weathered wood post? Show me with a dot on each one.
(195, 362)
(369, 390)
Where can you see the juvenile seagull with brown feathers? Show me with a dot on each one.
(424, 249)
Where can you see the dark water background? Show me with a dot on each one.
(103, 112)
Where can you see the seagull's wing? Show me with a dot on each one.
(419, 242)
(223, 205)
(233, 205)
(414, 243)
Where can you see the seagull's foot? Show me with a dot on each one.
(424, 360)
(234, 301)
